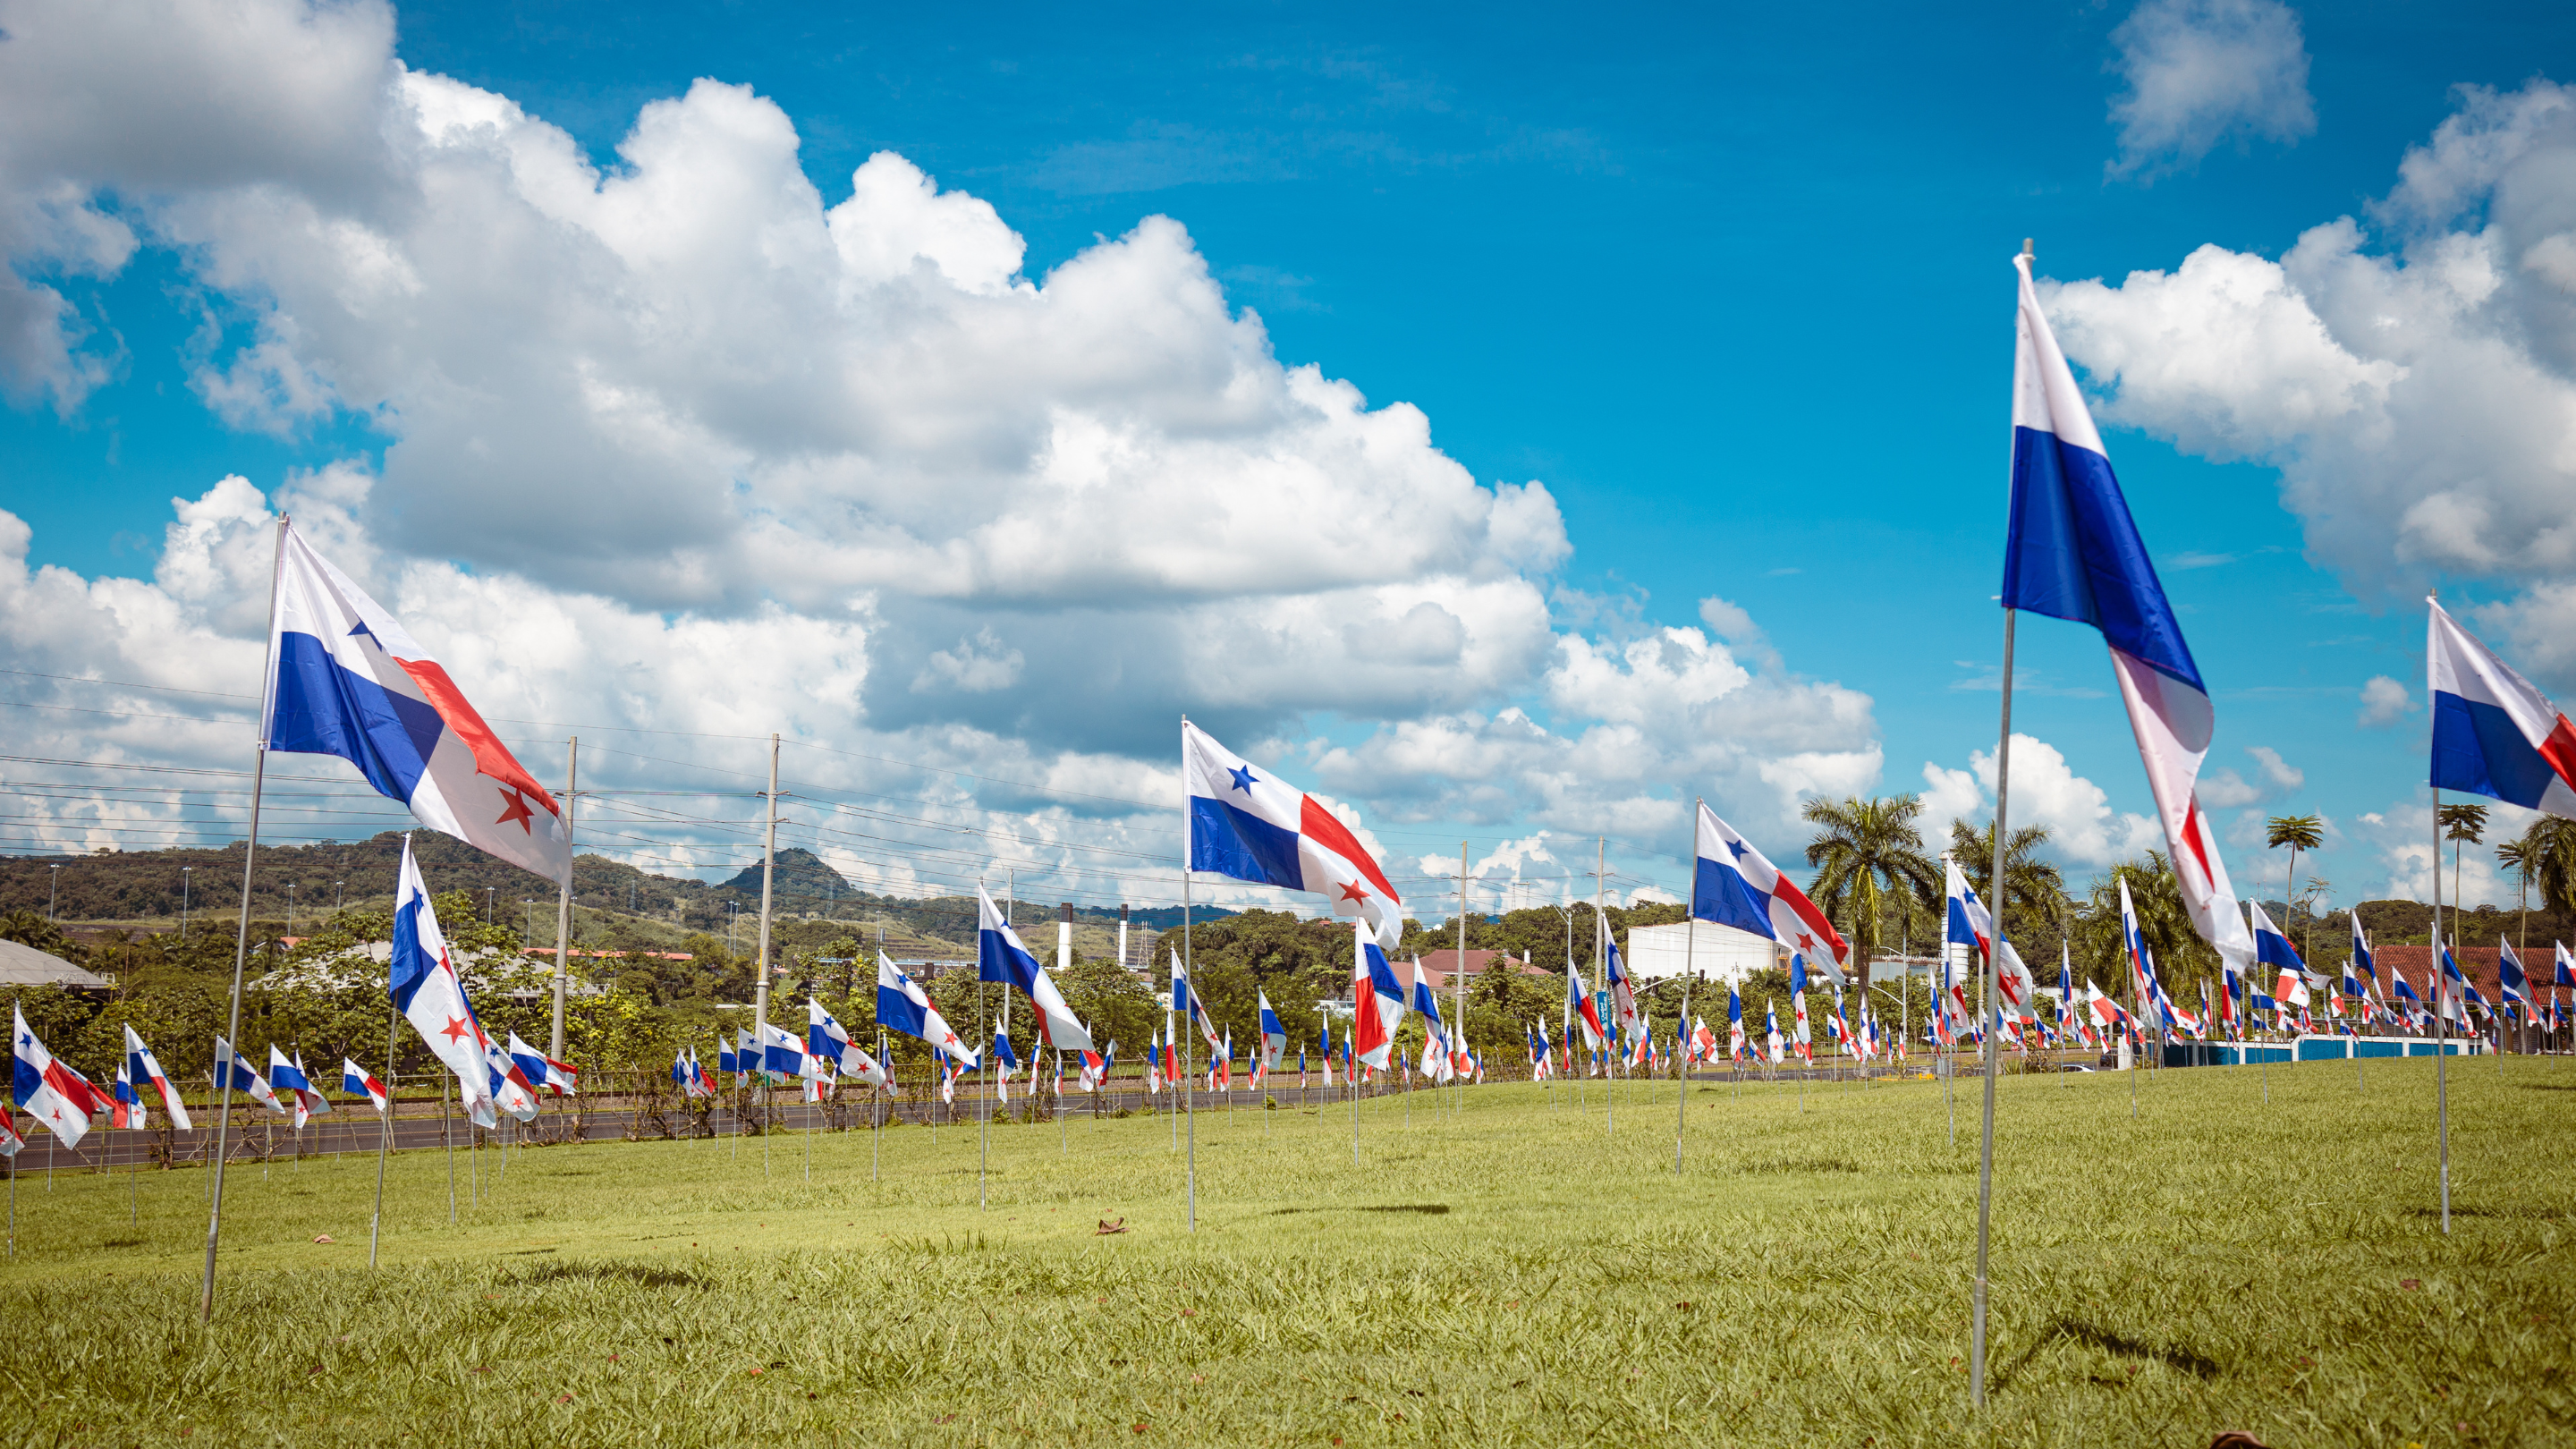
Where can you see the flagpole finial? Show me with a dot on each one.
(2026, 249)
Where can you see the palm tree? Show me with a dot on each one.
(1868, 855)
(2299, 832)
(2034, 903)
(2460, 823)
(2164, 927)
(2545, 856)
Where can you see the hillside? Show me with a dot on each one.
(617, 904)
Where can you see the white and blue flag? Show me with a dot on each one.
(2073, 552)
(1000, 956)
(1734, 884)
(826, 1038)
(903, 1006)
(347, 679)
(426, 990)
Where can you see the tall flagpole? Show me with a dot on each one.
(1690, 962)
(760, 989)
(1992, 1054)
(385, 1142)
(241, 937)
(563, 897)
(1189, 1101)
(2441, 1021)
(1600, 976)
(1459, 1027)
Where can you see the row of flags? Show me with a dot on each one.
(64, 1102)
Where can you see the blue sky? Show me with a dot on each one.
(1732, 285)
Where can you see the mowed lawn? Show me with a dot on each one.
(1512, 1273)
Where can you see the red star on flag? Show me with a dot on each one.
(516, 808)
(455, 1029)
(1351, 891)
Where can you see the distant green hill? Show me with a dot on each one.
(146, 887)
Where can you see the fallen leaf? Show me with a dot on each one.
(2410, 1284)
(324, 1238)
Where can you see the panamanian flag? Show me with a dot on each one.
(1734, 884)
(2494, 734)
(347, 679)
(1247, 824)
(2073, 552)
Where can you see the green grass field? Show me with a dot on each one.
(1510, 1274)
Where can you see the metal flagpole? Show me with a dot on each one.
(385, 1140)
(1690, 961)
(1600, 970)
(447, 1139)
(1189, 1100)
(1459, 1027)
(760, 989)
(876, 1112)
(1359, 1003)
(241, 942)
(1992, 1053)
(563, 898)
(2441, 1021)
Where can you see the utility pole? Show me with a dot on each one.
(563, 900)
(760, 989)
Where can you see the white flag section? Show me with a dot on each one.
(2074, 553)
(349, 680)
(1246, 824)
(1001, 956)
(1735, 885)
(2494, 734)
(2013, 979)
(828, 1039)
(427, 991)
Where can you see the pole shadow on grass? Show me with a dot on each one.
(2093, 1335)
(638, 1274)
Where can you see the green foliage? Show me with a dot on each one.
(2035, 908)
(2183, 959)
(1869, 858)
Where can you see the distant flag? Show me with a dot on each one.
(10, 1142)
(1377, 1002)
(724, 1055)
(130, 1113)
(1733, 884)
(2273, 949)
(1734, 1024)
(1000, 956)
(1771, 1031)
(1965, 920)
(830, 1041)
(243, 1078)
(2511, 985)
(542, 1072)
(2073, 552)
(349, 680)
(512, 1092)
(357, 1081)
(426, 990)
(1247, 824)
(147, 1068)
(903, 1006)
(287, 1076)
(1274, 1037)
(1327, 1043)
(2566, 961)
(1579, 1002)
(1623, 995)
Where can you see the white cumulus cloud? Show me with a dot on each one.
(2415, 382)
(2383, 702)
(2203, 72)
